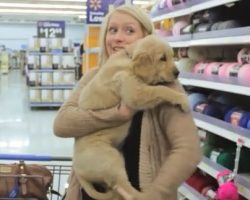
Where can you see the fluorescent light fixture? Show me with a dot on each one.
(141, 2)
(28, 5)
(82, 16)
(67, 0)
(53, 12)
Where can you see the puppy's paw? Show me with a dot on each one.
(183, 103)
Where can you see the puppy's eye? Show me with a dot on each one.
(163, 58)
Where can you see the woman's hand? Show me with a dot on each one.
(125, 111)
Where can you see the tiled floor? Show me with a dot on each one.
(25, 130)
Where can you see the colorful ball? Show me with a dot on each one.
(244, 74)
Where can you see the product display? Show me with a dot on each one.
(215, 38)
(51, 69)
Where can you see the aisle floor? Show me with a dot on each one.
(25, 130)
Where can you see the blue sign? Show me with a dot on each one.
(51, 29)
(97, 9)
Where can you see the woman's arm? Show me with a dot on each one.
(184, 153)
(71, 121)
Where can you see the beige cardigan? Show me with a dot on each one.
(169, 146)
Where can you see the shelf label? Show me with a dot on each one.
(51, 29)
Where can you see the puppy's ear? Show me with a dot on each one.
(142, 63)
(130, 49)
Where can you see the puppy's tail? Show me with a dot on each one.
(92, 192)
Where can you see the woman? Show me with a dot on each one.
(162, 148)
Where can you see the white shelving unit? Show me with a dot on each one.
(190, 193)
(201, 5)
(48, 85)
(213, 82)
(236, 36)
(229, 40)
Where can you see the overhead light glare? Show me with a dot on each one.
(28, 5)
(141, 2)
(67, 0)
(82, 16)
(53, 12)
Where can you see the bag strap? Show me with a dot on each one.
(23, 179)
(55, 192)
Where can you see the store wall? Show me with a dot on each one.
(15, 35)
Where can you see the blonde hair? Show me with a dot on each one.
(133, 11)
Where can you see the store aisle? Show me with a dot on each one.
(23, 130)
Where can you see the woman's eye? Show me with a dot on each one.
(130, 30)
(163, 58)
(112, 30)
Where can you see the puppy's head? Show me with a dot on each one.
(152, 61)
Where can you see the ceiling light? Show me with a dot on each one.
(31, 11)
(67, 0)
(141, 2)
(82, 16)
(26, 5)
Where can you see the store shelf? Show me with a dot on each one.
(190, 193)
(196, 6)
(222, 128)
(212, 41)
(52, 70)
(52, 87)
(50, 53)
(212, 168)
(45, 104)
(209, 4)
(231, 84)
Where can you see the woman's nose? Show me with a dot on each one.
(119, 36)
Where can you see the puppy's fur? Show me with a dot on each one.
(131, 75)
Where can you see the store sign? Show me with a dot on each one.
(51, 29)
(97, 9)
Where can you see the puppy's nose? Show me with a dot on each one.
(176, 72)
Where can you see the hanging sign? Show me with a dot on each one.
(51, 29)
(97, 9)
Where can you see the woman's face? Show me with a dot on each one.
(122, 30)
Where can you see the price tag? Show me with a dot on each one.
(50, 29)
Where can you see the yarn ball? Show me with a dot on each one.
(198, 54)
(227, 191)
(244, 74)
(185, 65)
(195, 98)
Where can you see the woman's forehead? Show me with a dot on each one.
(122, 18)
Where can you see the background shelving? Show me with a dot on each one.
(237, 37)
(51, 75)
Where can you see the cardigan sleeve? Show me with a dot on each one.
(184, 152)
(72, 121)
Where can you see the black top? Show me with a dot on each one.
(130, 151)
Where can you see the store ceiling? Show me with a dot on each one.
(29, 11)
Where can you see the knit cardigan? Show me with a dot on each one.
(169, 144)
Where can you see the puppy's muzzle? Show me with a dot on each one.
(176, 73)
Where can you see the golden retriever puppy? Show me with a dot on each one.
(135, 75)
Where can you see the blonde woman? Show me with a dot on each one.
(162, 148)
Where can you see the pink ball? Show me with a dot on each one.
(199, 68)
(233, 70)
(244, 74)
(223, 71)
(227, 191)
(212, 68)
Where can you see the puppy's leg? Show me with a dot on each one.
(140, 96)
